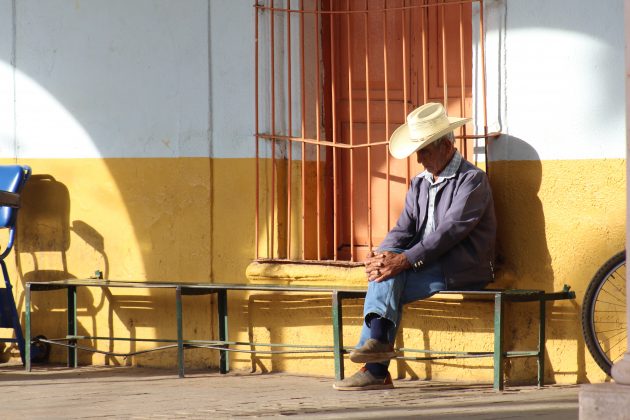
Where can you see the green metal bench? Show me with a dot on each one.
(338, 294)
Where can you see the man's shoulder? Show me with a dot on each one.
(469, 170)
(467, 166)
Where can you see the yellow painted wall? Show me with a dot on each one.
(193, 220)
(134, 219)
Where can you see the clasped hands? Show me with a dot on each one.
(381, 266)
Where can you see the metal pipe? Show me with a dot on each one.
(344, 12)
(444, 61)
(257, 159)
(334, 134)
(387, 164)
(462, 78)
(290, 130)
(369, 132)
(349, 58)
(359, 146)
(482, 45)
(317, 136)
(302, 84)
(404, 69)
(273, 130)
(425, 77)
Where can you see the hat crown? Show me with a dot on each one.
(424, 125)
(427, 120)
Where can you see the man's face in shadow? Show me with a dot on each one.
(436, 155)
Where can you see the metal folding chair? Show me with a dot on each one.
(12, 180)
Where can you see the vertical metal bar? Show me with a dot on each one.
(462, 80)
(317, 134)
(404, 69)
(425, 76)
(290, 126)
(334, 131)
(482, 47)
(222, 308)
(72, 326)
(444, 61)
(369, 132)
(27, 327)
(337, 319)
(387, 169)
(541, 340)
(273, 129)
(257, 217)
(180, 332)
(498, 341)
(351, 150)
(303, 112)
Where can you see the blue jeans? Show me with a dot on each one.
(386, 299)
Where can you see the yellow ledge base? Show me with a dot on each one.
(297, 273)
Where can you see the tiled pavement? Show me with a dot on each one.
(139, 393)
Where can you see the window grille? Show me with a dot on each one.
(334, 79)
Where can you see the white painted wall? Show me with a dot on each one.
(170, 78)
(555, 74)
(6, 80)
(232, 70)
(112, 78)
(147, 78)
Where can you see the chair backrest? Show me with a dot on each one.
(12, 179)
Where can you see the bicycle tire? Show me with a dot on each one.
(603, 308)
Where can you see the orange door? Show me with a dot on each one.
(382, 64)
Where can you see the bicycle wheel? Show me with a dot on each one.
(604, 313)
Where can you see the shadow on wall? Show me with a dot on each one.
(44, 239)
(523, 256)
(520, 219)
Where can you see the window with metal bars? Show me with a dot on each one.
(334, 79)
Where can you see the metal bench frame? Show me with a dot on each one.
(339, 294)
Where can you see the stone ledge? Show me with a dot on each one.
(296, 273)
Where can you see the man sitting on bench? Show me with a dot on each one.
(444, 239)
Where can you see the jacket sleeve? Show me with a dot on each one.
(402, 234)
(470, 202)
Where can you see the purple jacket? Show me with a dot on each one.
(464, 237)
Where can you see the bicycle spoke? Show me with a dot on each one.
(610, 303)
(614, 335)
(622, 340)
(614, 296)
(623, 278)
(609, 331)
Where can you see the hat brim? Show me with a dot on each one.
(401, 146)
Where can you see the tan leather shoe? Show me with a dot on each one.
(363, 380)
(373, 351)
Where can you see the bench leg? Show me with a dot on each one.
(541, 343)
(180, 332)
(27, 328)
(498, 342)
(224, 362)
(337, 315)
(73, 360)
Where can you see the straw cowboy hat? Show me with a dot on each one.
(424, 125)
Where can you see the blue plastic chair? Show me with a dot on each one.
(12, 180)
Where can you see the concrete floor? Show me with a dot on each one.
(138, 393)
